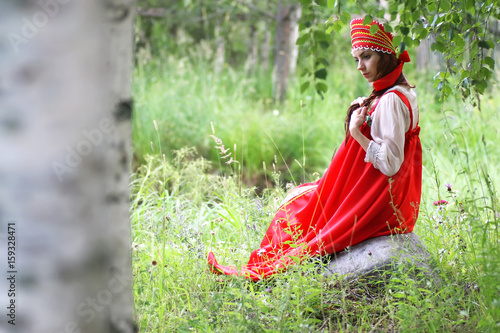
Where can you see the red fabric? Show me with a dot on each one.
(352, 202)
(389, 80)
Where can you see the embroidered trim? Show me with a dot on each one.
(294, 196)
(370, 48)
(372, 152)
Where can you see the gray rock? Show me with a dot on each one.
(382, 254)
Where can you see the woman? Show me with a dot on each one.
(373, 184)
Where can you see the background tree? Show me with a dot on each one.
(65, 143)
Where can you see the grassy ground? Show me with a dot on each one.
(181, 208)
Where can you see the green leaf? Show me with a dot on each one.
(337, 26)
(321, 88)
(331, 4)
(304, 86)
(438, 46)
(324, 45)
(423, 34)
(464, 74)
(459, 41)
(321, 35)
(373, 29)
(303, 39)
(321, 74)
(445, 5)
(480, 85)
(368, 19)
(324, 62)
(296, 259)
(485, 72)
(305, 3)
(402, 47)
(397, 40)
(407, 41)
(404, 30)
(490, 62)
(345, 17)
(470, 7)
(484, 44)
(330, 29)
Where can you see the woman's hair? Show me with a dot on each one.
(386, 64)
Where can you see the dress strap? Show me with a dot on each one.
(408, 105)
(404, 99)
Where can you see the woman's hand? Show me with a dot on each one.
(358, 117)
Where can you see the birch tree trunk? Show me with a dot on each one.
(220, 46)
(284, 47)
(253, 50)
(265, 50)
(65, 111)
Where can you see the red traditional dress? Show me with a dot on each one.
(361, 195)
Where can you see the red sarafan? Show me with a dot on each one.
(373, 184)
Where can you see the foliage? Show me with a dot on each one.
(460, 30)
(186, 24)
(180, 212)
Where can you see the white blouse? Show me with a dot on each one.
(390, 122)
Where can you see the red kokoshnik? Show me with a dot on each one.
(380, 41)
(352, 202)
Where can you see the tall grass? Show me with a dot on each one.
(188, 202)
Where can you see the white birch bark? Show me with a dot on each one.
(294, 34)
(220, 47)
(265, 50)
(286, 51)
(65, 111)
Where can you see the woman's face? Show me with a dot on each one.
(367, 63)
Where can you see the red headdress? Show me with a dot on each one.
(381, 41)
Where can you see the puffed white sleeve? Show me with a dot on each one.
(390, 121)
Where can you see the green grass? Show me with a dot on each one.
(189, 202)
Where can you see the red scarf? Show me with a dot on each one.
(389, 80)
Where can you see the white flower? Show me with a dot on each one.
(261, 251)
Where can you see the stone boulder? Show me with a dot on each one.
(382, 254)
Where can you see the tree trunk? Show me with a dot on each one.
(220, 45)
(253, 50)
(65, 111)
(294, 34)
(426, 59)
(284, 46)
(265, 50)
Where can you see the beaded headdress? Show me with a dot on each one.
(361, 37)
(380, 41)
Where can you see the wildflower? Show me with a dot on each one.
(260, 252)
(216, 139)
(448, 186)
(440, 203)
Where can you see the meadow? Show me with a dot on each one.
(188, 200)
